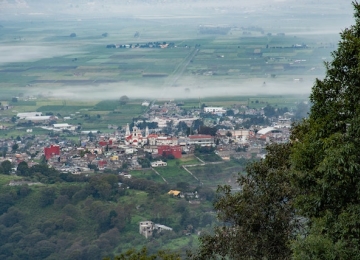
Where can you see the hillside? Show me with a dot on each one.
(48, 215)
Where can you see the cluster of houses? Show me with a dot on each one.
(161, 45)
(124, 146)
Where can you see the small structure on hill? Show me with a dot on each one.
(146, 228)
(158, 164)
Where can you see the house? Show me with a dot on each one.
(166, 140)
(158, 164)
(174, 193)
(146, 228)
(63, 127)
(145, 103)
(214, 110)
(152, 139)
(51, 151)
(166, 150)
(200, 140)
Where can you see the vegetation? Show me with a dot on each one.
(302, 200)
(47, 214)
(326, 160)
(260, 220)
(143, 255)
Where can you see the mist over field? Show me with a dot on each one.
(111, 91)
(34, 37)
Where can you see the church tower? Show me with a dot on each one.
(127, 131)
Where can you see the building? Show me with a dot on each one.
(146, 228)
(152, 139)
(51, 151)
(166, 150)
(64, 127)
(158, 164)
(200, 140)
(166, 140)
(135, 137)
(28, 114)
(269, 132)
(214, 110)
(174, 193)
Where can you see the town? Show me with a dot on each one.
(165, 131)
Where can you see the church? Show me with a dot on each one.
(135, 138)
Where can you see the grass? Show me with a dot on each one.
(175, 174)
(148, 174)
(5, 179)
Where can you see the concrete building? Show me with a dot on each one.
(28, 114)
(146, 228)
(51, 151)
(200, 140)
(158, 164)
(214, 110)
(166, 150)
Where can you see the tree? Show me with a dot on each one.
(269, 111)
(6, 165)
(302, 110)
(143, 254)
(47, 197)
(23, 169)
(15, 147)
(326, 157)
(123, 100)
(259, 221)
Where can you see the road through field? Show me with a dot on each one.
(179, 71)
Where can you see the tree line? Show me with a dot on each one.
(303, 200)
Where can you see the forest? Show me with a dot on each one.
(302, 200)
(45, 214)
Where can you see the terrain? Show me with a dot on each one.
(213, 53)
(77, 59)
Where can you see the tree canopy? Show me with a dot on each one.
(258, 221)
(326, 158)
(303, 200)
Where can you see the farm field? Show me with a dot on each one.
(209, 175)
(43, 60)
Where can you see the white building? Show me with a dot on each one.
(28, 114)
(135, 137)
(158, 164)
(63, 127)
(214, 110)
(166, 140)
(200, 140)
(146, 228)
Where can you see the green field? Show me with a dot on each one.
(58, 66)
(210, 175)
(82, 79)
